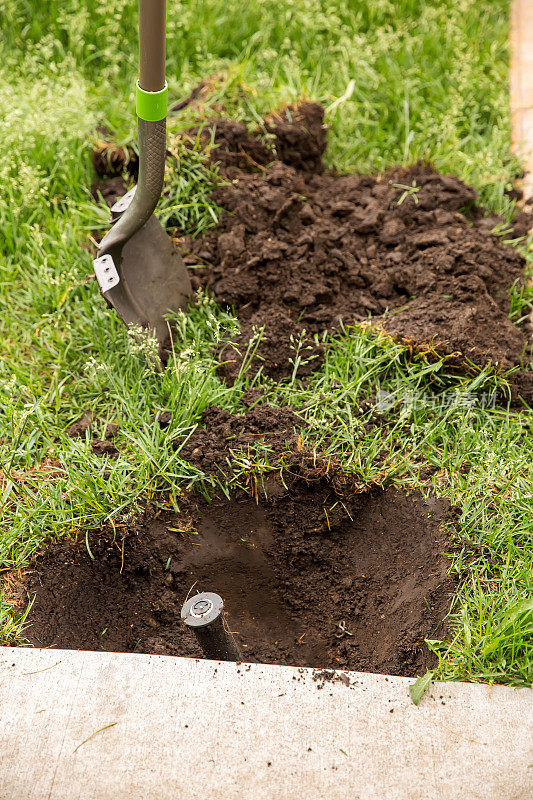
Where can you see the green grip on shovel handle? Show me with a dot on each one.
(152, 106)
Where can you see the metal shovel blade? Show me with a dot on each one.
(152, 280)
(145, 278)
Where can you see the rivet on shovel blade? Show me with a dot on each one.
(204, 615)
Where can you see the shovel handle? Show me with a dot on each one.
(151, 112)
(152, 19)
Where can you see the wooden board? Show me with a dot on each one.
(522, 88)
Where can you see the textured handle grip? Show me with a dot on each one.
(152, 152)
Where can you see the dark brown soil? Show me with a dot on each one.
(211, 450)
(318, 248)
(110, 189)
(308, 577)
(301, 249)
(234, 148)
(295, 135)
(111, 160)
(86, 426)
(324, 248)
(299, 136)
(277, 346)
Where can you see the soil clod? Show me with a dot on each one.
(85, 425)
(79, 428)
(212, 449)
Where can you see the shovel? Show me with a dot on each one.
(137, 268)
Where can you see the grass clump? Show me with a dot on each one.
(190, 180)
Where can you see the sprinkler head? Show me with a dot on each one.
(204, 615)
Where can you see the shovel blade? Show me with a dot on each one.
(153, 280)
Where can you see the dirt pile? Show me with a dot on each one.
(309, 577)
(86, 425)
(211, 450)
(296, 136)
(318, 248)
(298, 249)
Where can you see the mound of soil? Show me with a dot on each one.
(211, 450)
(296, 136)
(277, 346)
(86, 424)
(321, 248)
(299, 249)
(308, 577)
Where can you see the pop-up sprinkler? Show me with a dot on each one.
(204, 614)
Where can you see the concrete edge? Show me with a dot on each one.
(75, 724)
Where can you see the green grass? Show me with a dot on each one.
(400, 81)
(189, 181)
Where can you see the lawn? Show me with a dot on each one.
(400, 81)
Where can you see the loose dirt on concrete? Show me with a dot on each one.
(310, 576)
(298, 249)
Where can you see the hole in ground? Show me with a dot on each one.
(308, 577)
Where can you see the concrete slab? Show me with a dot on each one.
(105, 726)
